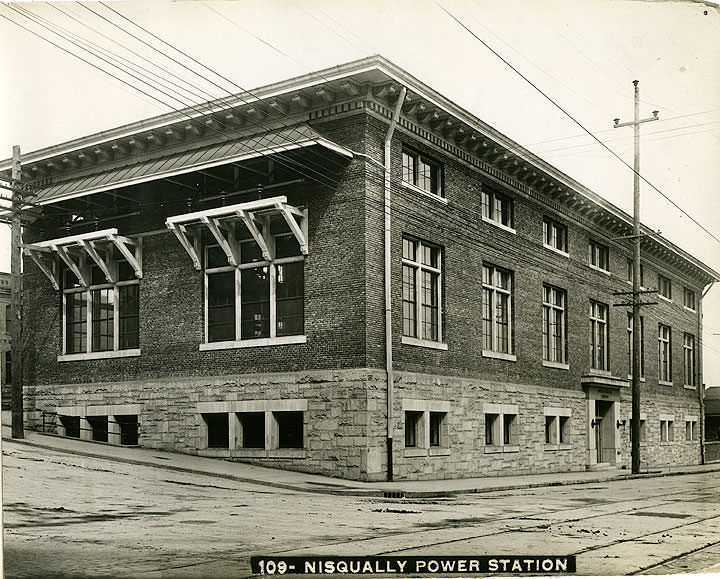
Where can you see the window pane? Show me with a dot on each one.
(129, 316)
(286, 246)
(218, 430)
(76, 322)
(412, 418)
(430, 305)
(290, 301)
(408, 168)
(249, 251)
(216, 257)
(255, 303)
(409, 249)
(103, 319)
(436, 419)
(409, 303)
(221, 306)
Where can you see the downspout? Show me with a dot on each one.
(388, 285)
(700, 382)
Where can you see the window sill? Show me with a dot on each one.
(642, 378)
(429, 194)
(664, 383)
(424, 343)
(598, 372)
(690, 309)
(556, 250)
(99, 355)
(667, 299)
(689, 387)
(288, 453)
(499, 225)
(557, 447)
(499, 355)
(254, 343)
(600, 269)
(557, 365)
(503, 448)
(432, 451)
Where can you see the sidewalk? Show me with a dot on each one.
(328, 485)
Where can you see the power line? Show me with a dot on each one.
(538, 89)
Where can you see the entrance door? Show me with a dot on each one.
(605, 431)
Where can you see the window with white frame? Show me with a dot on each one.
(426, 426)
(689, 299)
(691, 430)
(498, 209)
(599, 255)
(555, 235)
(421, 290)
(421, 171)
(102, 316)
(631, 269)
(260, 298)
(497, 309)
(501, 426)
(557, 425)
(599, 336)
(667, 430)
(664, 287)
(630, 344)
(554, 324)
(689, 359)
(664, 353)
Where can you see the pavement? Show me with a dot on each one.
(314, 483)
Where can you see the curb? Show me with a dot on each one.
(350, 491)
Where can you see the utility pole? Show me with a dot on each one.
(636, 303)
(16, 348)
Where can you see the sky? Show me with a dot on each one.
(582, 54)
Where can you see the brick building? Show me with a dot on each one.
(5, 359)
(244, 280)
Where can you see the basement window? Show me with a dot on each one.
(252, 426)
(128, 425)
(501, 428)
(99, 427)
(290, 429)
(71, 424)
(413, 435)
(218, 429)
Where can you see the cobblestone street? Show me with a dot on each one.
(72, 516)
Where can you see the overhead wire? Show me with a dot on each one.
(574, 120)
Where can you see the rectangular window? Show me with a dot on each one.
(630, 344)
(551, 429)
(102, 317)
(555, 235)
(260, 298)
(437, 420)
(422, 172)
(666, 431)
(599, 336)
(252, 426)
(554, 324)
(128, 428)
(290, 426)
(564, 429)
(691, 430)
(412, 425)
(71, 424)
(557, 425)
(689, 299)
(664, 287)
(498, 209)
(99, 427)
(492, 424)
(497, 309)
(664, 353)
(599, 255)
(689, 358)
(218, 429)
(422, 278)
(500, 429)
(631, 269)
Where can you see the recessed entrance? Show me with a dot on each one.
(603, 425)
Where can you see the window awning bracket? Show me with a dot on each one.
(191, 246)
(98, 259)
(123, 244)
(213, 224)
(47, 266)
(299, 230)
(251, 223)
(65, 255)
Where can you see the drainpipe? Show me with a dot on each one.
(699, 371)
(388, 286)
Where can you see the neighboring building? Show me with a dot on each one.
(5, 359)
(712, 424)
(211, 281)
